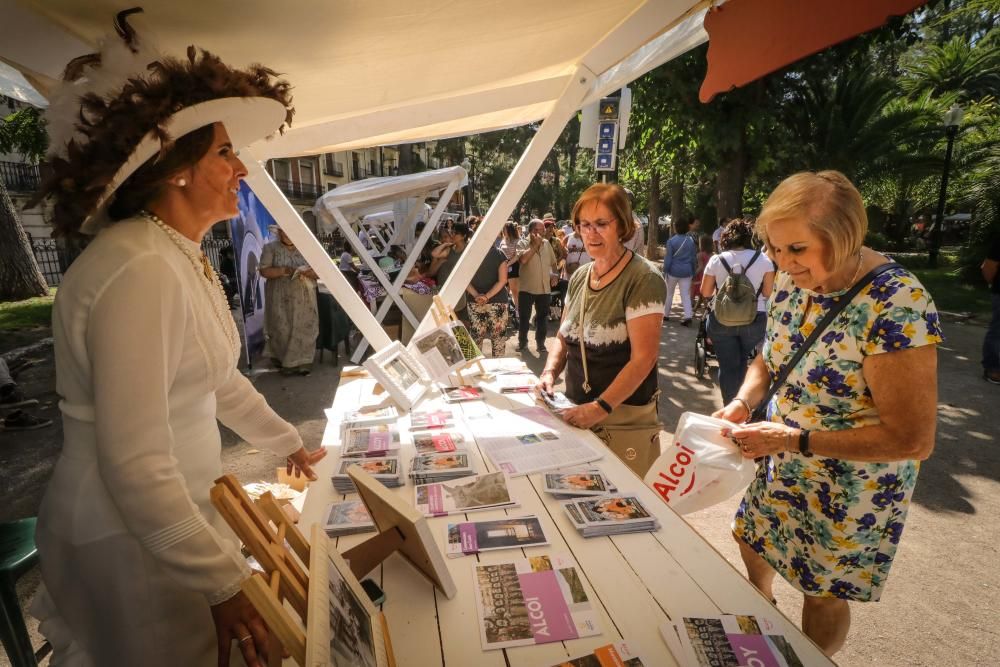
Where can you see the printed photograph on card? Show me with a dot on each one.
(386, 466)
(614, 508)
(532, 601)
(471, 537)
(429, 442)
(432, 462)
(351, 641)
(576, 482)
(439, 352)
(370, 440)
(470, 350)
(464, 494)
(350, 513)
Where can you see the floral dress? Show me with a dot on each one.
(831, 526)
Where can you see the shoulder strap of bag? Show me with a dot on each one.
(837, 308)
(681, 246)
(583, 313)
(725, 265)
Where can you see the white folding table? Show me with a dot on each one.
(636, 582)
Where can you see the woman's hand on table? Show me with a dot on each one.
(584, 416)
(546, 383)
(302, 461)
(237, 619)
(763, 438)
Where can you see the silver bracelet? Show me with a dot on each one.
(746, 406)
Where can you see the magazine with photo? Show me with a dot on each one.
(353, 641)
(439, 352)
(572, 483)
(386, 469)
(370, 441)
(421, 420)
(347, 518)
(367, 415)
(460, 394)
(531, 601)
(470, 350)
(471, 537)
(732, 640)
(441, 462)
(619, 654)
(465, 494)
(610, 515)
(438, 441)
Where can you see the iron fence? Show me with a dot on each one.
(298, 190)
(20, 177)
(53, 257)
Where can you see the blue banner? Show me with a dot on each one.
(250, 233)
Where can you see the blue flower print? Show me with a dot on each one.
(843, 589)
(933, 321)
(804, 536)
(831, 337)
(891, 334)
(866, 521)
(894, 530)
(883, 287)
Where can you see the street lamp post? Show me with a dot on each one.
(467, 166)
(952, 119)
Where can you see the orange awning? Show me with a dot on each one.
(751, 38)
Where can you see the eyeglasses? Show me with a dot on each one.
(593, 226)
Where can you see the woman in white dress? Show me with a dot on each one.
(137, 567)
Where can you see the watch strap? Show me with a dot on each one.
(804, 442)
(604, 404)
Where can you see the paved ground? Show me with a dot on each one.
(940, 606)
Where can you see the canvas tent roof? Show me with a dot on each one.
(386, 72)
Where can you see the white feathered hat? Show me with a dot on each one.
(118, 109)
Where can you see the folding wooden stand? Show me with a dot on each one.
(443, 314)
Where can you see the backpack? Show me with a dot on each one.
(736, 300)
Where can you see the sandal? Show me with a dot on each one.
(13, 398)
(19, 420)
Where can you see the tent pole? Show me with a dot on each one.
(501, 208)
(303, 238)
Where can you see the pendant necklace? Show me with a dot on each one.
(597, 278)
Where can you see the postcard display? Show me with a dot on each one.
(474, 466)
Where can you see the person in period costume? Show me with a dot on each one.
(291, 315)
(846, 430)
(137, 566)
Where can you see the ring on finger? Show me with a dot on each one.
(244, 640)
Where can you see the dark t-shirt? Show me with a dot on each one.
(638, 290)
(486, 275)
(994, 254)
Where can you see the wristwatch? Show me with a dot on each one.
(804, 442)
(603, 404)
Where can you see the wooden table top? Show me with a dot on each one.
(635, 582)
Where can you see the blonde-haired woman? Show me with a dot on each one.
(849, 424)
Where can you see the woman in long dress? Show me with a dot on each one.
(291, 316)
(137, 566)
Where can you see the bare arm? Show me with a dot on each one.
(554, 364)
(904, 389)
(707, 285)
(768, 285)
(989, 269)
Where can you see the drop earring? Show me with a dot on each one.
(181, 182)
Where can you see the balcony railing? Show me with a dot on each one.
(331, 168)
(20, 177)
(300, 190)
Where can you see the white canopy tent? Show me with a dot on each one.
(388, 72)
(342, 203)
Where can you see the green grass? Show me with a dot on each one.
(27, 314)
(951, 293)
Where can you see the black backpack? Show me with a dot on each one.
(736, 300)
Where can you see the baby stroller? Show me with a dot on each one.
(702, 348)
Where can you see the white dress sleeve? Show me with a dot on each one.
(135, 339)
(243, 409)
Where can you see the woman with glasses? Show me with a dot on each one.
(609, 338)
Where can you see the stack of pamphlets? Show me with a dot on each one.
(440, 467)
(421, 420)
(466, 494)
(385, 469)
(471, 537)
(516, 383)
(577, 483)
(610, 515)
(532, 601)
(729, 640)
(618, 654)
(382, 440)
(438, 441)
(347, 518)
(460, 394)
(369, 415)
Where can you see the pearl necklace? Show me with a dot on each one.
(212, 284)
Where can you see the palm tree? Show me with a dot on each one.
(970, 70)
